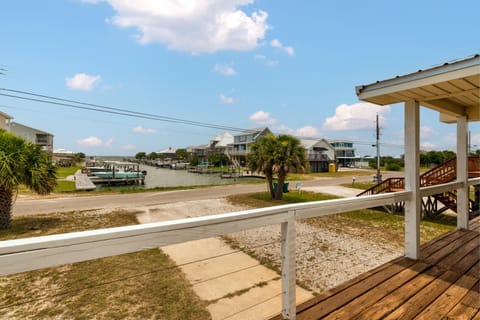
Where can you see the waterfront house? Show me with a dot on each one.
(240, 147)
(220, 143)
(32, 135)
(344, 152)
(168, 153)
(200, 151)
(5, 120)
(320, 154)
(35, 136)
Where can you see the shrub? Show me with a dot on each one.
(393, 167)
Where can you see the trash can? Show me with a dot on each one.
(284, 189)
(331, 167)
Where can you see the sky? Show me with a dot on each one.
(289, 65)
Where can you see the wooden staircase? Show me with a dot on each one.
(442, 173)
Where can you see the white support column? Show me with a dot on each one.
(289, 305)
(462, 172)
(412, 179)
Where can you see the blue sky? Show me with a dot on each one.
(289, 65)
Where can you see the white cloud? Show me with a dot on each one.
(192, 26)
(428, 146)
(358, 116)
(224, 70)
(93, 141)
(275, 43)
(265, 60)
(307, 131)
(427, 132)
(90, 142)
(226, 100)
(141, 129)
(82, 82)
(262, 118)
(303, 132)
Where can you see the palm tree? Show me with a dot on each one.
(289, 156)
(260, 159)
(22, 162)
(277, 155)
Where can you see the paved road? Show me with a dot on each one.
(38, 206)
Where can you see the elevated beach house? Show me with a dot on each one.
(32, 135)
(240, 147)
(320, 154)
(344, 152)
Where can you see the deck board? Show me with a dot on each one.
(468, 307)
(443, 284)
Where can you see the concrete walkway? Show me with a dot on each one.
(339, 191)
(235, 285)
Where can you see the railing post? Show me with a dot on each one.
(462, 172)
(412, 179)
(288, 268)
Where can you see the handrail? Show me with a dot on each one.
(440, 174)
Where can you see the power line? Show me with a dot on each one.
(24, 95)
(69, 103)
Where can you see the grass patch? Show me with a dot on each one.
(263, 199)
(311, 176)
(65, 186)
(63, 172)
(141, 285)
(359, 185)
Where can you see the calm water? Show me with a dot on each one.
(160, 177)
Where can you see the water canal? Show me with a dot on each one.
(161, 177)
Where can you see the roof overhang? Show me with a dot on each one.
(453, 89)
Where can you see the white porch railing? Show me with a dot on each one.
(28, 254)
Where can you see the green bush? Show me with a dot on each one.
(393, 167)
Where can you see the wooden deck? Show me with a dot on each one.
(443, 284)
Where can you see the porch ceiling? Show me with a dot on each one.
(453, 89)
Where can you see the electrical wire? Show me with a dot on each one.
(69, 103)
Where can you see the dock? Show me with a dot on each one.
(83, 182)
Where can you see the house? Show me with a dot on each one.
(219, 144)
(5, 121)
(200, 151)
(345, 152)
(35, 136)
(168, 153)
(320, 154)
(241, 142)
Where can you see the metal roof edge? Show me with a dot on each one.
(420, 74)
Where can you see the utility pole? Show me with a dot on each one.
(379, 176)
